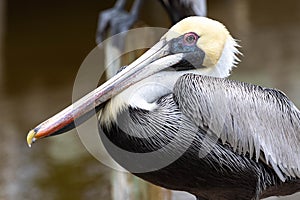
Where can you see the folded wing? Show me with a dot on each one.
(260, 122)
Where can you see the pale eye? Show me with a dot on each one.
(190, 38)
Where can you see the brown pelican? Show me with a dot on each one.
(229, 139)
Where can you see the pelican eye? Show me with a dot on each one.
(190, 38)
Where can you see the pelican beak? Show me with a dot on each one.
(154, 60)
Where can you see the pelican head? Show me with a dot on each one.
(209, 38)
(194, 45)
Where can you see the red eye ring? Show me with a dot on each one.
(190, 38)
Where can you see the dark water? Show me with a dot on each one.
(43, 45)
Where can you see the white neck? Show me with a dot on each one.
(228, 59)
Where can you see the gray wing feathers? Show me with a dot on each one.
(261, 122)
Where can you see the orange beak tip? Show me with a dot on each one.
(31, 137)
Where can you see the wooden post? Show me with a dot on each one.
(125, 185)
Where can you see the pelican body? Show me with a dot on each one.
(172, 118)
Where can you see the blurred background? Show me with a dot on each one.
(42, 45)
